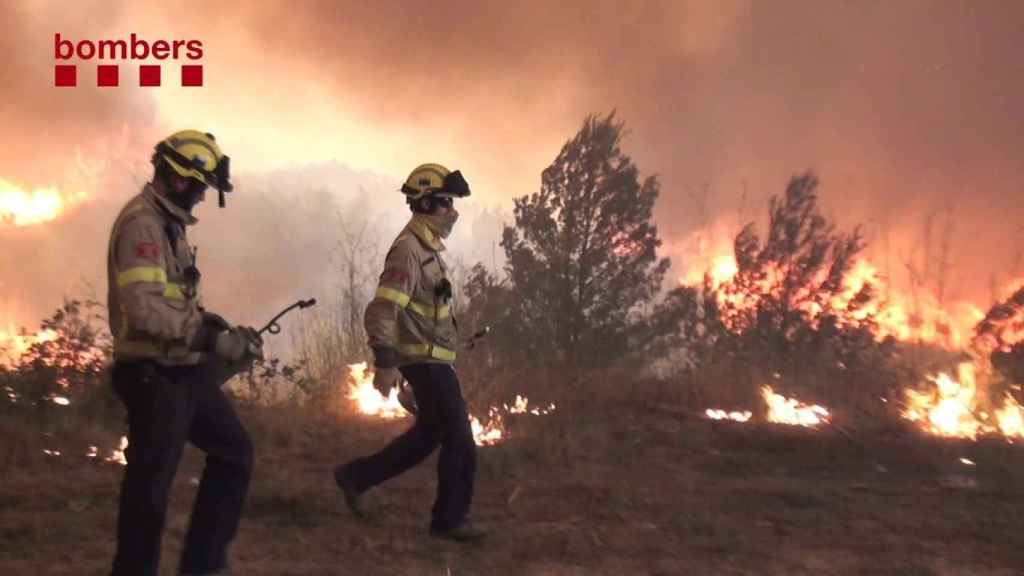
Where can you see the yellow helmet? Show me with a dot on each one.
(194, 154)
(434, 180)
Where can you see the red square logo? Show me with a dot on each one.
(106, 75)
(65, 75)
(192, 75)
(149, 75)
(147, 250)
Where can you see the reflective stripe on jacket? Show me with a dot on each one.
(407, 312)
(153, 311)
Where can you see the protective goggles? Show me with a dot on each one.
(219, 178)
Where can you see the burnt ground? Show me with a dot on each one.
(637, 491)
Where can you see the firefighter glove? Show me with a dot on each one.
(231, 345)
(384, 379)
(254, 344)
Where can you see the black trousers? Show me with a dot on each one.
(442, 420)
(168, 407)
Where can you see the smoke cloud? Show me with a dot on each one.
(903, 109)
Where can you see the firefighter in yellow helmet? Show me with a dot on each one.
(411, 328)
(166, 349)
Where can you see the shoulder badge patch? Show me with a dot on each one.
(147, 250)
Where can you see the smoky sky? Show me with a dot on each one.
(902, 108)
(43, 126)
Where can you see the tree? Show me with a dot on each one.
(799, 274)
(794, 312)
(581, 255)
(1000, 336)
(67, 362)
(70, 354)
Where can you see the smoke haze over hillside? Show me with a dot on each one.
(902, 109)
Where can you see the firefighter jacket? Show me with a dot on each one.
(153, 286)
(411, 311)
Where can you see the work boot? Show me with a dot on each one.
(353, 497)
(465, 532)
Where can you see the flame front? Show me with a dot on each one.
(489, 434)
(781, 410)
(952, 408)
(14, 344)
(23, 208)
(784, 410)
(720, 269)
(948, 409)
(367, 399)
(918, 317)
(59, 400)
(117, 455)
(1010, 418)
(521, 405)
(736, 416)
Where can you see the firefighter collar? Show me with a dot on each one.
(419, 227)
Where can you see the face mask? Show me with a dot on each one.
(442, 224)
(194, 194)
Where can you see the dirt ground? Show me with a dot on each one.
(635, 491)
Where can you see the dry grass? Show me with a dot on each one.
(609, 491)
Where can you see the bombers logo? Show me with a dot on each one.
(66, 75)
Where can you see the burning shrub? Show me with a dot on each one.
(984, 396)
(65, 364)
(56, 398)
(1000, 335)
(793, 311)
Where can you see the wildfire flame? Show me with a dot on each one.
(921, 317)
(952, 408)
(369, 401)
(720, 270)
(59, 400)
(489, 434)
(1011, 418)
(14, 344)
(521, 405)
(781, 410)
(21, 207)
(736, 416)
(117, 455)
